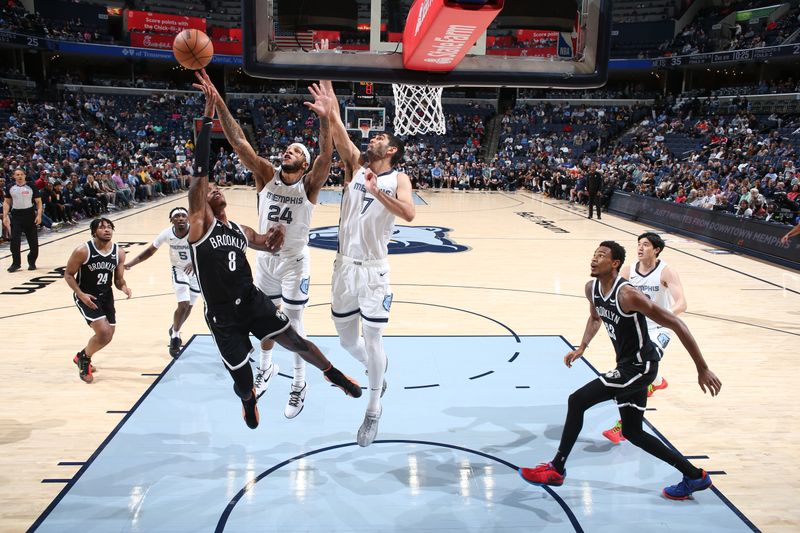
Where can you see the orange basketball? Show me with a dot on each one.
(193, 49)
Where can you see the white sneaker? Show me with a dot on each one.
(297, 400)
(263, 378)
(369, 429)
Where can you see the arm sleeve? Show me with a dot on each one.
(203, 149)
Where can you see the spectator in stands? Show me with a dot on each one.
(744, 210)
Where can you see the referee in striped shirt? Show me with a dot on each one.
(22, 213)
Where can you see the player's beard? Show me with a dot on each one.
(292, 167)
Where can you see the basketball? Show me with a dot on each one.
(193, 49)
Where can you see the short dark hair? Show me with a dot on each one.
(397, 143)
(655, 239)
(96, 224)
(617, 251)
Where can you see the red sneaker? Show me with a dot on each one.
(91, 366)
(543, 474)
(615, 434)
(653, 388)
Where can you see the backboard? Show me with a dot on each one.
(532, 43)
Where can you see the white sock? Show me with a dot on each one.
(296, 319)
(376, 368)
(176, 334)
(351, 341)
(266, 359)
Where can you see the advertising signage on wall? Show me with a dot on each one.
(162, 22)
(744, 235)
(751, 54)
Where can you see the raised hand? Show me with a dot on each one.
(323, 99)
(204, 84)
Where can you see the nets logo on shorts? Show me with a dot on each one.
(405, 240)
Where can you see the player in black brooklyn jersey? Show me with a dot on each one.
(90, 271)
(622, 308)
(235, 308)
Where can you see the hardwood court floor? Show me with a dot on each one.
(526, 268)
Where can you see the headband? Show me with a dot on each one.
(304, 150)
(178, 211)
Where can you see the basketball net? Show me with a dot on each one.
(418, 109)
(364, 130)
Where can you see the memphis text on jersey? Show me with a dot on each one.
(362, 188)
(228, 240)
(281, 199)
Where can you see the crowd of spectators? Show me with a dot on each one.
(704, 35)
(91, 153)
(75, 153)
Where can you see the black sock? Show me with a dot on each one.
(560, 462)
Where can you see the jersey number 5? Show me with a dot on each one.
(275, 214)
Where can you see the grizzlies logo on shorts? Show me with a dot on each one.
(663, 340)
(304, 285)
(387, 301)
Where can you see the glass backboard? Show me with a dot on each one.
(531, 43)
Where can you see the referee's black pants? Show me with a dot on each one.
(24, 221)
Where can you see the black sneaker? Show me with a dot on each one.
(14, 268)
(31, 267)
(250, 410)
(346, 383)
(91, 366)
(85, 368)
(174, 344)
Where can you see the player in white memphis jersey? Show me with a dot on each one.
(286, 196)
(184, 282)
(373, 196)
(661, 283)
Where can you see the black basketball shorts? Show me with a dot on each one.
(232, 324)
(628, 383)
(105, 308)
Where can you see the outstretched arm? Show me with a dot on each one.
(631, 300)
(323, 93)
(200, 215)
(348, 151)
(262, 169)
(144, 256)
(271, 242)
(791, 233)
(591, 329)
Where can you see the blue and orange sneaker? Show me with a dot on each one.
(684, 489)
(543, 474)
